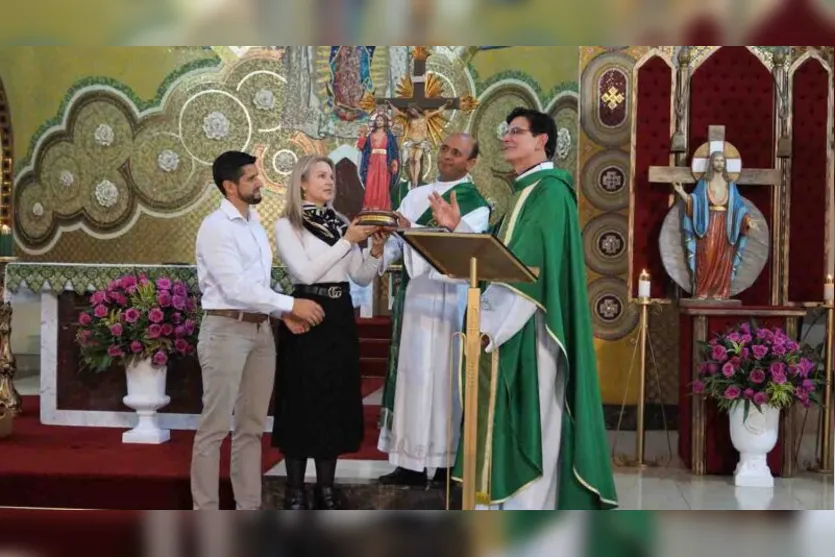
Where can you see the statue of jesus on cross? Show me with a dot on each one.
(419, 109)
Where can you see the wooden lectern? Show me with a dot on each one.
(474, 257)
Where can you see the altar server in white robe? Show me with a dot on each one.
(417, 400)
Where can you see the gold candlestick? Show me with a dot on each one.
(643, 341)
(825, 430)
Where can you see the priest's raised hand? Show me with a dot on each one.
(445, 214)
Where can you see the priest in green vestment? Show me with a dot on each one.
(542, 441)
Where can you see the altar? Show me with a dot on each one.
(76, 397)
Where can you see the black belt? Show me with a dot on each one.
(335, 291)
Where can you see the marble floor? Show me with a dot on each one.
(659, 488)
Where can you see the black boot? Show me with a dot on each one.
(403, 476)
(295, 499)
(325, 498)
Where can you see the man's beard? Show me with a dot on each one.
(252, 199)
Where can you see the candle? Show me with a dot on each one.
(644, 285)
(5, 241)
(828, 289)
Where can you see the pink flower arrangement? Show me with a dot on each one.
(137, 318)
(756, 365)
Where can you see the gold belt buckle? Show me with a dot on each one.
(334, 292)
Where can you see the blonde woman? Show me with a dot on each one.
(318, 402)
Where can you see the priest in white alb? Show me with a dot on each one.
(421, 411)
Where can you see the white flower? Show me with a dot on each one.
(264, 100)
(216, 125)
(106, 193)
(563, 143)
(104, 135)
(168, 160)
(37, 210)
(67, 179)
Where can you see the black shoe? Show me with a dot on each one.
(402, 476)
(440, 478)
(325, 499)
(295, 499)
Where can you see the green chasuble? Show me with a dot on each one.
(469, 199)
(542, 229)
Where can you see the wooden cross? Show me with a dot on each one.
(419, 98)
(716, 137)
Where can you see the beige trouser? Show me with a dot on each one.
(238, 367)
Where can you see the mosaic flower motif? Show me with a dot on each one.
(66, 178)
(501, 129)
(107, 193)
(216, 125)
(284, 161)
(264, 99)
(563, 143)
(104, 135)
(37, 209)
(168, 160)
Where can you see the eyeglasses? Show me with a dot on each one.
(514, 131)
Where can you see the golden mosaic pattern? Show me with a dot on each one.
(159, 161)
(107, 164)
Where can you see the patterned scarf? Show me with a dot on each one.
(323, 223)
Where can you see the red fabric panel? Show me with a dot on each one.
(807, 265)
(734, 89)
(651, 200)
(685, 398)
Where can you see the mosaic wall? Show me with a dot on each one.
(115, 177)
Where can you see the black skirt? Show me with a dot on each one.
(318, 399)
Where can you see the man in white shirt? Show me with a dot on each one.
(235, 345)
(419, 410)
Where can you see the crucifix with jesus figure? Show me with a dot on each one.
(418, 109)
(715, 242)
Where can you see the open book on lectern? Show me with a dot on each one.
(452, 254)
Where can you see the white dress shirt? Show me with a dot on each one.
(234, 264)
(309, 260)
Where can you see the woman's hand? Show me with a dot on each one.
(356, 234)
(378, 242)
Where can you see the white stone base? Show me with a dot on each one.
(146, 436)
(753, 499)
(753, 471)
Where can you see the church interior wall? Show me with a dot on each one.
(112, 144)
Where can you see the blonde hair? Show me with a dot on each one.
(293, 198)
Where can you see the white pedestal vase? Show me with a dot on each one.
(146, 395)
(754, 437)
